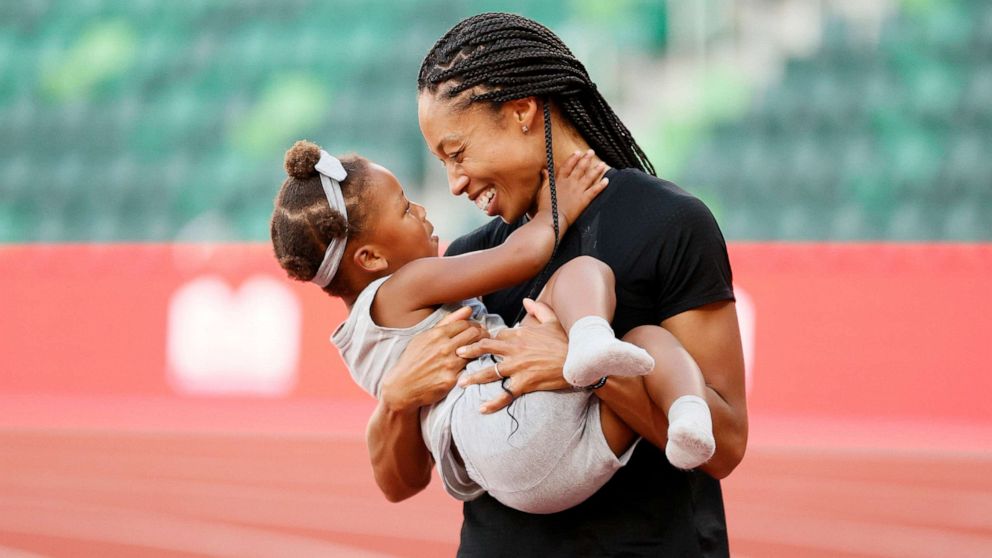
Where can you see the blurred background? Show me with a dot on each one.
(164, 391)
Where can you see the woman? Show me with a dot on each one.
(500, 99)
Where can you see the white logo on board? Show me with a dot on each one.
(226, 342)
(745, 320)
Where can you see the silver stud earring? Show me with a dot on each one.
(525, 128)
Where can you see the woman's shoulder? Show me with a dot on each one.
(634, 196)
(637, 186)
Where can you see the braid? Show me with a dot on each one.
(509, 57)
(542, 278)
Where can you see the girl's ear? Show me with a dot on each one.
(370, 259)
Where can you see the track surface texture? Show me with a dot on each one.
(156, 494)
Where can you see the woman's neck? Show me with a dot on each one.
(565, 141)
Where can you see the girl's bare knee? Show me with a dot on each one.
(646, 335)
(588, 265)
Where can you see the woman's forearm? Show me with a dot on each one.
(730, 431)
(401, 463)
(711, 338)
(628, 398)
(711, 335)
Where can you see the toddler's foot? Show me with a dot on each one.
(690, 433)
(594, 352)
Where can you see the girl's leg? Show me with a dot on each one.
(618, 435)
(676, 385)
(581, 293)
(584, 286)
(676, 373)
(581, 288)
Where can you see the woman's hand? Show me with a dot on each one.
(578, 181)
(428, 368)
(531, 356)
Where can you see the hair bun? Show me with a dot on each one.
(298, 268)
(301, 158)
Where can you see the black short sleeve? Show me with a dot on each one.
(692, 265)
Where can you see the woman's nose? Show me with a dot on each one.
(457, 182)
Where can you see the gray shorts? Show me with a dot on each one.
(549, 456)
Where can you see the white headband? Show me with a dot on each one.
(331, 174)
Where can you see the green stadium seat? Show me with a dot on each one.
(748, 223)
(976, 103)
(948, 27)
(911, 221)
(801, 221)
(934, 90)
(856, 141)
(969, 220)
(850, 222)
(968, 167)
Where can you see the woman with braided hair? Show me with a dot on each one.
(501, 102)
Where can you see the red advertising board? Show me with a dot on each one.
(852, 331)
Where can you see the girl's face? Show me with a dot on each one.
(485, 152)
(399, 228)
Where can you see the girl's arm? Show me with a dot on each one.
(427, 282)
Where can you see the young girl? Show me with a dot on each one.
(348, 227)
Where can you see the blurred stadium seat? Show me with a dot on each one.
(885, 140)
(139, 120)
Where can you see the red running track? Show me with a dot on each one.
(110, 494)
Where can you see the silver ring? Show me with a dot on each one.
(496, 366)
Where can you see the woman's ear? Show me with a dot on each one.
(370, 259)
(524, 113)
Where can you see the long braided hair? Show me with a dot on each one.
(499, 57)
(503, 56)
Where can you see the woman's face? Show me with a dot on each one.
(486, 153)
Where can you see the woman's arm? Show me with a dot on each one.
(711, 335)
(425, 373)
(401, 463)
(431, 281)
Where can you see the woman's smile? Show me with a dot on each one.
(484, 201)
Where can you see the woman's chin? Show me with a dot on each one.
(510, 215)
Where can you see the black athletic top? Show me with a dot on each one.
(669, 256)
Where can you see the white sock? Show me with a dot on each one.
(594, 352)
(690, 433)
